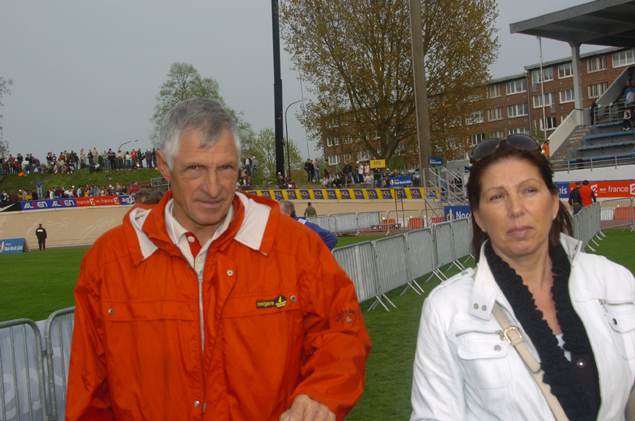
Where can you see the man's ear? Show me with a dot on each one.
(164, 169)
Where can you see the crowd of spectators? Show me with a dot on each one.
(67, 162)
(62, 192)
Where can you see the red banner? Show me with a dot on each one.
(609, 189)
(98, 201)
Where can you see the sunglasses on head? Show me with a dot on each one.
(519, 141)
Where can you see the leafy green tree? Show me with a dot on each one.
(264, 149)
(357, 55)
(185, 82)
(4, 144)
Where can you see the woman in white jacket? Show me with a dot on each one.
(575, 312)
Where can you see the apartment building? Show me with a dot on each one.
(516, 103)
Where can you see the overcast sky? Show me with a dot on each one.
(86, 73)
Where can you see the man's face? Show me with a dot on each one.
(203, 182)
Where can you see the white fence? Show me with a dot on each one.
(35, 372)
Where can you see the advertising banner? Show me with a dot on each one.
(457, 212)
(435, 162)
(10, 207)
(14, 245)
(378, 163)
(83, 202)
(402, 181)
(48, 204)
(563, 190)
(415, 193)
(611, 189)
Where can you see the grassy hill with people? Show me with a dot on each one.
(12, 182)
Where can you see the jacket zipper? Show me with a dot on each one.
(200, 313)
(498, 332)
(604, 302)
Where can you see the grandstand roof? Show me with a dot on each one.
(601, 22)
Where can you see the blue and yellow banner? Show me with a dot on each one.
(342, 194)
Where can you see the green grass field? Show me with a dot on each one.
(33, 285)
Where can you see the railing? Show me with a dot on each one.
(610, 113)
(591, 163)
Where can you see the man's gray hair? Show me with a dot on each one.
(202, 114)
(286, 206)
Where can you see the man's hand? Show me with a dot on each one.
(306, 409)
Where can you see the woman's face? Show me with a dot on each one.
(516, 209)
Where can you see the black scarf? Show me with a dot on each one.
(576, 387)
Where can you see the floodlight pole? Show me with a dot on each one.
(421, 95)
(286, 125)
(125, 143)
(277, 88)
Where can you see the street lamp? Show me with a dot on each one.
(287, 129)
(125, 143)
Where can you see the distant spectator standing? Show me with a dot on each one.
(154, 158)
(574, 198)
(587, 196)
(133, 156)
(254, 167)
(310, 210)
(247, 164)
(347, 170)
(545, 148)
(325, 169)
(630, 98)
(288, 208)
(626, 120)
(148, 156)
(40, 233)
(82, 158)
(38, 187)
(140, 158)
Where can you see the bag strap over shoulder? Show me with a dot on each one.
(514, 337)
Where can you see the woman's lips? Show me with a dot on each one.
(519, 231)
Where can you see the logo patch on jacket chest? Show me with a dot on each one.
(280, 301)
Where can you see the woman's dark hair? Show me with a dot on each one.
(563, 221)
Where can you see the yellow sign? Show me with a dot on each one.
(378, 163)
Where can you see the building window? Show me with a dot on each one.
(498, 134)
(565, 70)
(348, 140)
(517, 110)
(519, 130)
(623, 58)
(516, 86)
(494, 91)
(567, 95)
(334, 159)
(597, 89)
(329, 141)
(596, 64)
(363, 155)
(474, 118)
(548, 100)
(494, 114)
(477, 138)
(551, 123)
(547, 74)
(563, 117)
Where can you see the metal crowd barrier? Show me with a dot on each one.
(358, 261)
(461, 239)
(443, 244)
(343, 222)
(421, 254)
(320, 220)
(587, 225)
(22, 389)
(58, 334)
(400, 219)
(617, 213)
(369, 221)
(392, 265)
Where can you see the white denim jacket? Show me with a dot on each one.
(465, 370)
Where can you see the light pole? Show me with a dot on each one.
(125, 143)
(287, 129)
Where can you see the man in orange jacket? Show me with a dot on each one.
(587, 196)
(211, 305)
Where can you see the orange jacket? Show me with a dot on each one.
(280, 318)
(587, 196)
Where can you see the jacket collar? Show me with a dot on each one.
(486, 290)
(253, 225)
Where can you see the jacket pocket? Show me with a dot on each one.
(621, 317)
(483, 356)
(135, 311)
